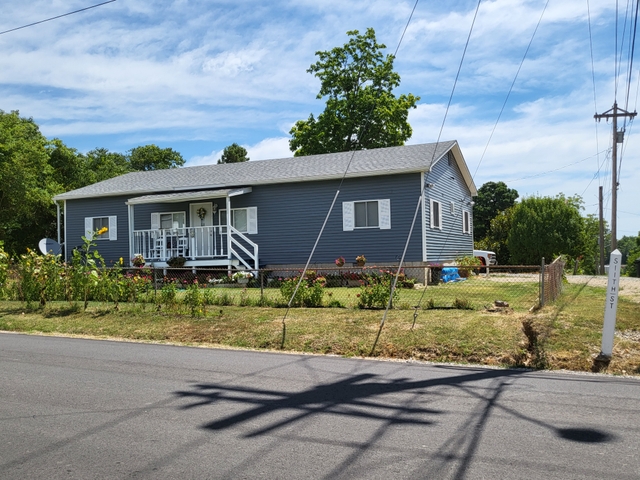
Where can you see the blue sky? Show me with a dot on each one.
(199, 75)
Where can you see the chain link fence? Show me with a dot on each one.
(551, 277)
(427, 287)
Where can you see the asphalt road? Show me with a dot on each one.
(85, 409)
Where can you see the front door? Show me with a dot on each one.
(203, 241)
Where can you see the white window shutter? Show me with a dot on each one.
(113, 228)
(252, 220)
(155, 221)
(347, 216)
(88, 227)
(384, 214)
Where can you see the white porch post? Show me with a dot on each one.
(64, 217)
(228, 199)
(131, 240)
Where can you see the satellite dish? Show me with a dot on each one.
(46, 246)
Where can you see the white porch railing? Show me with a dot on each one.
(195, 243)
(245, 247)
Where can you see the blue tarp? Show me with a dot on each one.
(450, 274)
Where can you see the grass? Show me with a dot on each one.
(562, 336)
(477, 292)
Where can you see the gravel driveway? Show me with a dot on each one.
(629, 286)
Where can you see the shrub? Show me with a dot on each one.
(462, 304)
(168, 293)
(309, 293)
(466, 264)
(376, 290)
(4, 271)
(194, 299)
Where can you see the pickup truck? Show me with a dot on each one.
(486, 257)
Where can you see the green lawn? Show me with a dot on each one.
(568, 333)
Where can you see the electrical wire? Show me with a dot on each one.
(358, 138)
(56, 17)
(595, 96)
(504, 104)
(420, 199)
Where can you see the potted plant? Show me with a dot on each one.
(176, 262)
(361, 260)
(242, 276)
(339, 262)
(138, 260)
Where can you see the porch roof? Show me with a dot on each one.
(188, 196)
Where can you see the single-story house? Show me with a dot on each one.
(269, 212)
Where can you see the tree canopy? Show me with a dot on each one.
(234, 153)
(546, 227)
(493, 198)
(361, 111)
(152, 157)
(26, 182)
(34, 169)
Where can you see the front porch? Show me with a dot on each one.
(200, 246)
(202, 229)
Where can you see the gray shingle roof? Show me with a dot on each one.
(381, 161)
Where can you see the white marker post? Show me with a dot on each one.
(611, 303)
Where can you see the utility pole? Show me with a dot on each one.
(618, 137)
(601, 236)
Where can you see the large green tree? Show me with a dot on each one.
(628, 244)
(152, 157)
(546, 227)
(102, 165)
(69, 166)
(493, 198)
(496, 238)
(361, 111)
(234, 153)
(26, 184)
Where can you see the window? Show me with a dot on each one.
(466, 222)
(93, 225)
(245, 220)
(436, 214)
(366, 214)
(167, 220)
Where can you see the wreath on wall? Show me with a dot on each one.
(202, 212)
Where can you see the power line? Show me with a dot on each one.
(511, 88)
(595, 96)
(422, 190)
(358, 138)
(56, 17)
(556, 169)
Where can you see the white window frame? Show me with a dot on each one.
(466, 222)
(252, 219)
(432, 217)
(156, 222)
(112, 232)
(349, 215)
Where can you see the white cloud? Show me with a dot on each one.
(202, 75)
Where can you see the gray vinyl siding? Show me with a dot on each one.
(290, 217)
(448, 186)
(77, 210)
(142, 213)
